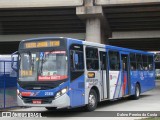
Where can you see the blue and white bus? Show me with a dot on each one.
(67, 73)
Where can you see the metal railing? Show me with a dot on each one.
(8, 85)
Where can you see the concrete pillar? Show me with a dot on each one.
(93, 30)
(88, 2)
(105, 33)
(95, 22)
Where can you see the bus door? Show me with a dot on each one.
(76, 75)
(125, 74)
(103, 72)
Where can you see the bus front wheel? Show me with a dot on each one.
(92, 101)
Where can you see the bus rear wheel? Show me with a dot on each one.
(137, 92)
(92, 101)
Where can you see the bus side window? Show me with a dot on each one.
(150, 63)
(145, 62)
(114, 60)
(139, 61)
(77, 62)
(71, 60)
(133, 65)
(76, 58)
(92, 58)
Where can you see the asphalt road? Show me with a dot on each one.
(149, 101)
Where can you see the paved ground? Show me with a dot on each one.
(149, 101)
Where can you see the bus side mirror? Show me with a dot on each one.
(14, 62)
(75, 58)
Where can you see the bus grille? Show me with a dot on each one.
(46, 100)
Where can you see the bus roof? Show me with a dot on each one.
(92, 44)
(116, 48)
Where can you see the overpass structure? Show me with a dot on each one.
(127, 23)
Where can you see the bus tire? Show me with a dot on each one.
(137, 92)
(51, 108)
(92, 101)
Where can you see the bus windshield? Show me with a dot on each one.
(43, 66)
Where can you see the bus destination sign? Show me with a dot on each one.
(40, 44)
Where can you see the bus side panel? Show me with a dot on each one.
(77, 92)
(76, 89)
(133, 78)
(145, 78)
(137, 77)
(142, 80)
(150, 82)
(115, 84)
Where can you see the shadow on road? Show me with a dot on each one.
(80, 112)
(117, 101)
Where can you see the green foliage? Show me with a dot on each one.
(158, 77)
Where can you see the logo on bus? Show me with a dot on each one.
(91, 75)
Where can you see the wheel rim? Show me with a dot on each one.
(137, 91)
(92, 100)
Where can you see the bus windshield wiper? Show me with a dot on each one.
(42, 60)
(30, 58)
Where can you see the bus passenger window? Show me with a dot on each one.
(140, 67)
(145, 62)
(139, 61)
(92, 59)
(114, 60)
(150, 63)
(133, 64)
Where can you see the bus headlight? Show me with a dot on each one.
(18, 92)
(61, 92)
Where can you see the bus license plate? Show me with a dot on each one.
(37, 101)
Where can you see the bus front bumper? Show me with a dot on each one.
(61, 102)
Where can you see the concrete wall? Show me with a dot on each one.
(22, 37)
(108, 2)
(136, 34)
(63, 3)
(39, 3)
